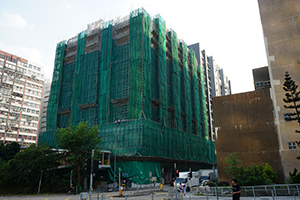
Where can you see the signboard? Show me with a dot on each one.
(150, 173)
(124, 175)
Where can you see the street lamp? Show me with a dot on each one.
(115, 158)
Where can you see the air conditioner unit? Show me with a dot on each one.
(20, 140)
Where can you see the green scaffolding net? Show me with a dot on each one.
(136, 172)
(52, 109)
(140, 75)
(78, 77)
(105, 63)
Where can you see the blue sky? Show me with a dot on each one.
(230, 30)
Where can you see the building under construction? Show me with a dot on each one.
(142, 86)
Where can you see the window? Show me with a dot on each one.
(39, 69)
(292, 145)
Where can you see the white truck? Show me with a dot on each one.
(187, 181)
(208, 174)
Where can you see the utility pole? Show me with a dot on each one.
(40, 182)
(115, 160)
(119, 180)
(215, 178)
(71, 178)
(91, 174)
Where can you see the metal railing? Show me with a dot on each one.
(289, 191)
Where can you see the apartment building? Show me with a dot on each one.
(280, 24)
(216, 82)
(21, 89)
(43, 117)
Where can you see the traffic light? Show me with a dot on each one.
(96, 166)
(191, 173)
(177, 173)
(88, 165)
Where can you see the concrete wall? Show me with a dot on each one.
(246, 126)
(281, 26)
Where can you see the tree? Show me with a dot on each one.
(8, 151)
(269, 175)
(294, 177)
(233, 160)
(251, 176)
(21, 173)
(292, 99)
(78, 141)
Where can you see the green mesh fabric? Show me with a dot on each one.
(105, 63)
(143, 137)
(141, 75)
(78, 76)
(140, 65)
(136, 171)
(52, 109)
(196, 107)
(66, 92)
(203, 119)
(161, 52)
(187, 87)
(176, 80)
(47, 138)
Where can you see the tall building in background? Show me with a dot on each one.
(225, 86)
(280, 22)
(216, 83)
(21, 88)
(245, 125)
(142, 86)
(43, 117)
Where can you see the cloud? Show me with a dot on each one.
(12, 20)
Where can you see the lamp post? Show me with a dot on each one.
(115, 158)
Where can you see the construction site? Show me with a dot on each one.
(144, 88)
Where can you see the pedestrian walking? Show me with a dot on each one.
(236, 190)
(184, 190)
(181, 189)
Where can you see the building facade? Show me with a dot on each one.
(280, 24)
(245, 125)
(220, 83)
(43, 116)
(142, 86)
(216, 83)
(21, 87)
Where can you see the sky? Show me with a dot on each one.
(229, 30)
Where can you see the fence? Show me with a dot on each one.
(283, 191)
(149, 191)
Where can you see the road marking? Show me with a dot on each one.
(111, 198)
(47, 199)
(65, 199)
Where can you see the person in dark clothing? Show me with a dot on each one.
(236, 190)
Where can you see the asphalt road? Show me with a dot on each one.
(107, 196)
(112, 196)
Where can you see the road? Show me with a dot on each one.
(112, 196)
(107, 196)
